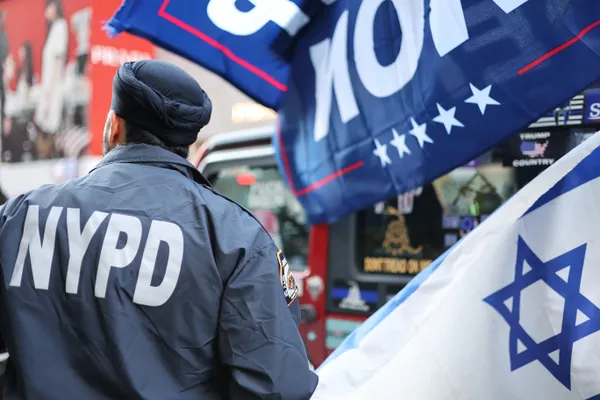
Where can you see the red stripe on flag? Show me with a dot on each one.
(558, 49)
(320, 182)
(225, 50)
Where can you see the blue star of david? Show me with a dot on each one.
(569, 289)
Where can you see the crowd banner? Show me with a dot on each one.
(512, 311)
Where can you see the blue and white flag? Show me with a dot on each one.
(510, 312)
(385, 96)
(247, 42)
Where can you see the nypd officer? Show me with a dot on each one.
(138, 281)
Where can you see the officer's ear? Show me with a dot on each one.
(116, 130)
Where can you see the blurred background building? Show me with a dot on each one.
(56, 75)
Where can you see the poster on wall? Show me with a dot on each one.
(56, 74)
(532, 152)
(401, 236)
(45, 89)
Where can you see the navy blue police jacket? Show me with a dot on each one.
(139, 282)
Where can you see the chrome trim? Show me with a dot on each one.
(221, 156)
(241, 136)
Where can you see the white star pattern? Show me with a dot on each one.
(447, 118)
(399, 143)
(420, 132)
(381, 152)
(481, 98)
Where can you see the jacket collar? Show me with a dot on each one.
(152, 155)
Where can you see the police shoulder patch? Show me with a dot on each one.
(288, 283)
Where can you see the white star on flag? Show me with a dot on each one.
(420, 132)
(447, 118)
(381, 152)
(481, 98)
(399, 143)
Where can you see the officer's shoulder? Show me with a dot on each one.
(237, 217)
(13, 203)
(44, 194)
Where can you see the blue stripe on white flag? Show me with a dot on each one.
(355, 337)
(444, 321)
(352, 340)
(583, 172)
(359, 333)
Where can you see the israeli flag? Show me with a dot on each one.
(510, 312)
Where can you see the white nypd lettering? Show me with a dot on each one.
(41, 247)
(111, 256)
(170, 234)
(330, 61)
(78, 243)
(41, 251)
(595, 111)
(285, 13)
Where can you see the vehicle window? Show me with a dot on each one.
(262, 191)
(404, 235)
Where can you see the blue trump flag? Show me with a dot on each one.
(512, 311)
(386, 95)
(247, 42)
(377, 97)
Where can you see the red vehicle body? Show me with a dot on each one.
(348, 269)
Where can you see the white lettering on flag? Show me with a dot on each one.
(329, 57)
(510, 5)
(448, 25)
(331, 69)
(285, 13)
(379, 80)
